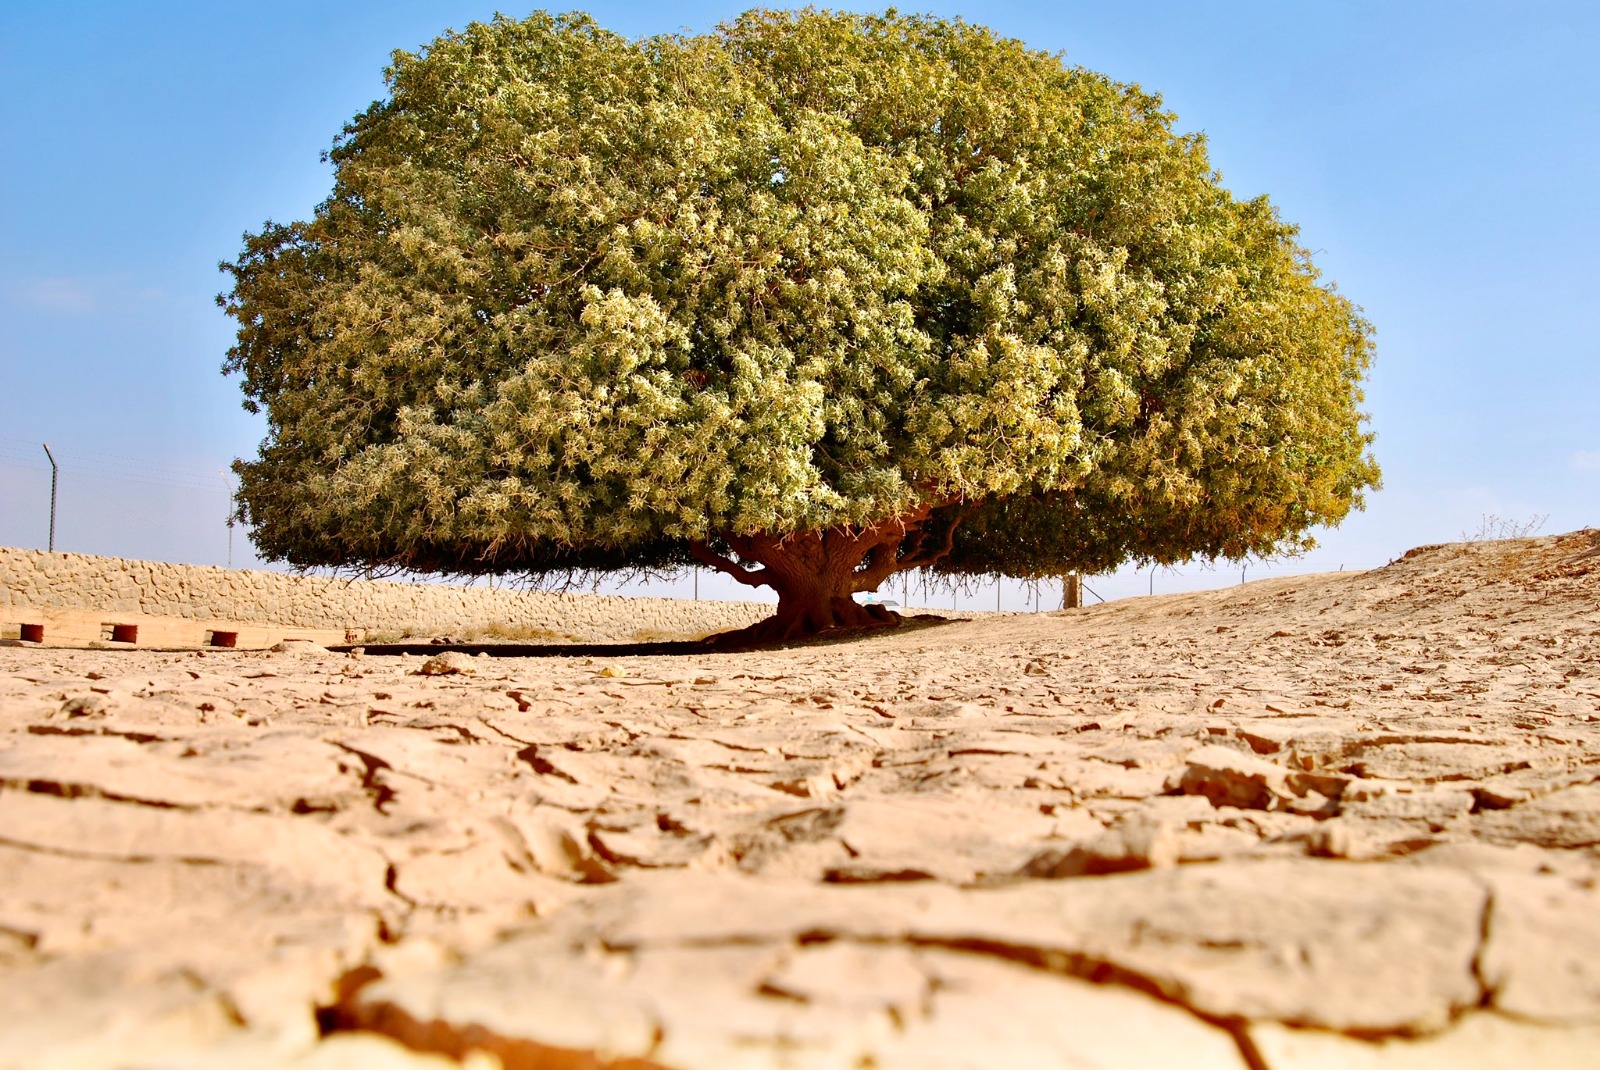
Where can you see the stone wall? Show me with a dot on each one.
(384, 608)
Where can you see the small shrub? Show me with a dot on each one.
(662, 635)
(1493, 528)
(516, 633)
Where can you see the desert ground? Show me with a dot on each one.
(1345, 820)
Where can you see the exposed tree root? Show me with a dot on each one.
(801, 622)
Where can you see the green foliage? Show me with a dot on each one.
(577, 301)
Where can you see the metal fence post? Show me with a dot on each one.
(54, 472)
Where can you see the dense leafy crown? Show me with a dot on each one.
(575, 301)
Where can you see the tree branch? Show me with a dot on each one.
(937, 554)
(880, 563)
(750, 577)
(883, 556)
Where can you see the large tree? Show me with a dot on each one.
(811, 299)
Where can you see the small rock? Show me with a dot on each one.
(90, 705)
(1230, 778)
(1312, 804)
(1436, 807)
(1499, 797)
(299, 646)
(450, 663)
(1335, 839)
(561, 851)
(1134, 843)
(1569, 818)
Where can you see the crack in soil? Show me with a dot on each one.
(104, 856)
(372, 768)
(131, 736)
(64, 789)
(347, 1014)
(1487, 989)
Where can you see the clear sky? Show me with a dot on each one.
(1441, 158)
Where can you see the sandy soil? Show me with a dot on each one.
(1343, 820)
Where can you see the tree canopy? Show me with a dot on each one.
(811, 298)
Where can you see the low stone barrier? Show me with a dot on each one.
(377, 608)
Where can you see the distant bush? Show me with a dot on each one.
(516, 633)
(1494, 527)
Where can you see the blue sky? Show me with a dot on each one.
(1442, 160)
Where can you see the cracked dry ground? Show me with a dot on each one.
(1330, 821)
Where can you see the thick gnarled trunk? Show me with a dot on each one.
(804, 612)
(816, 574)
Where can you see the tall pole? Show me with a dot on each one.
(54, 475)
(229, 485)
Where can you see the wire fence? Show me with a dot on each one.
(28, 455)
(114, 503)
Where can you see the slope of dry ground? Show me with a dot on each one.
(1343, 820)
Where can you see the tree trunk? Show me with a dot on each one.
(817, 573)
(815, 608)
(1072, 591)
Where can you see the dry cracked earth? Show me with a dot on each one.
(1347, 820)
